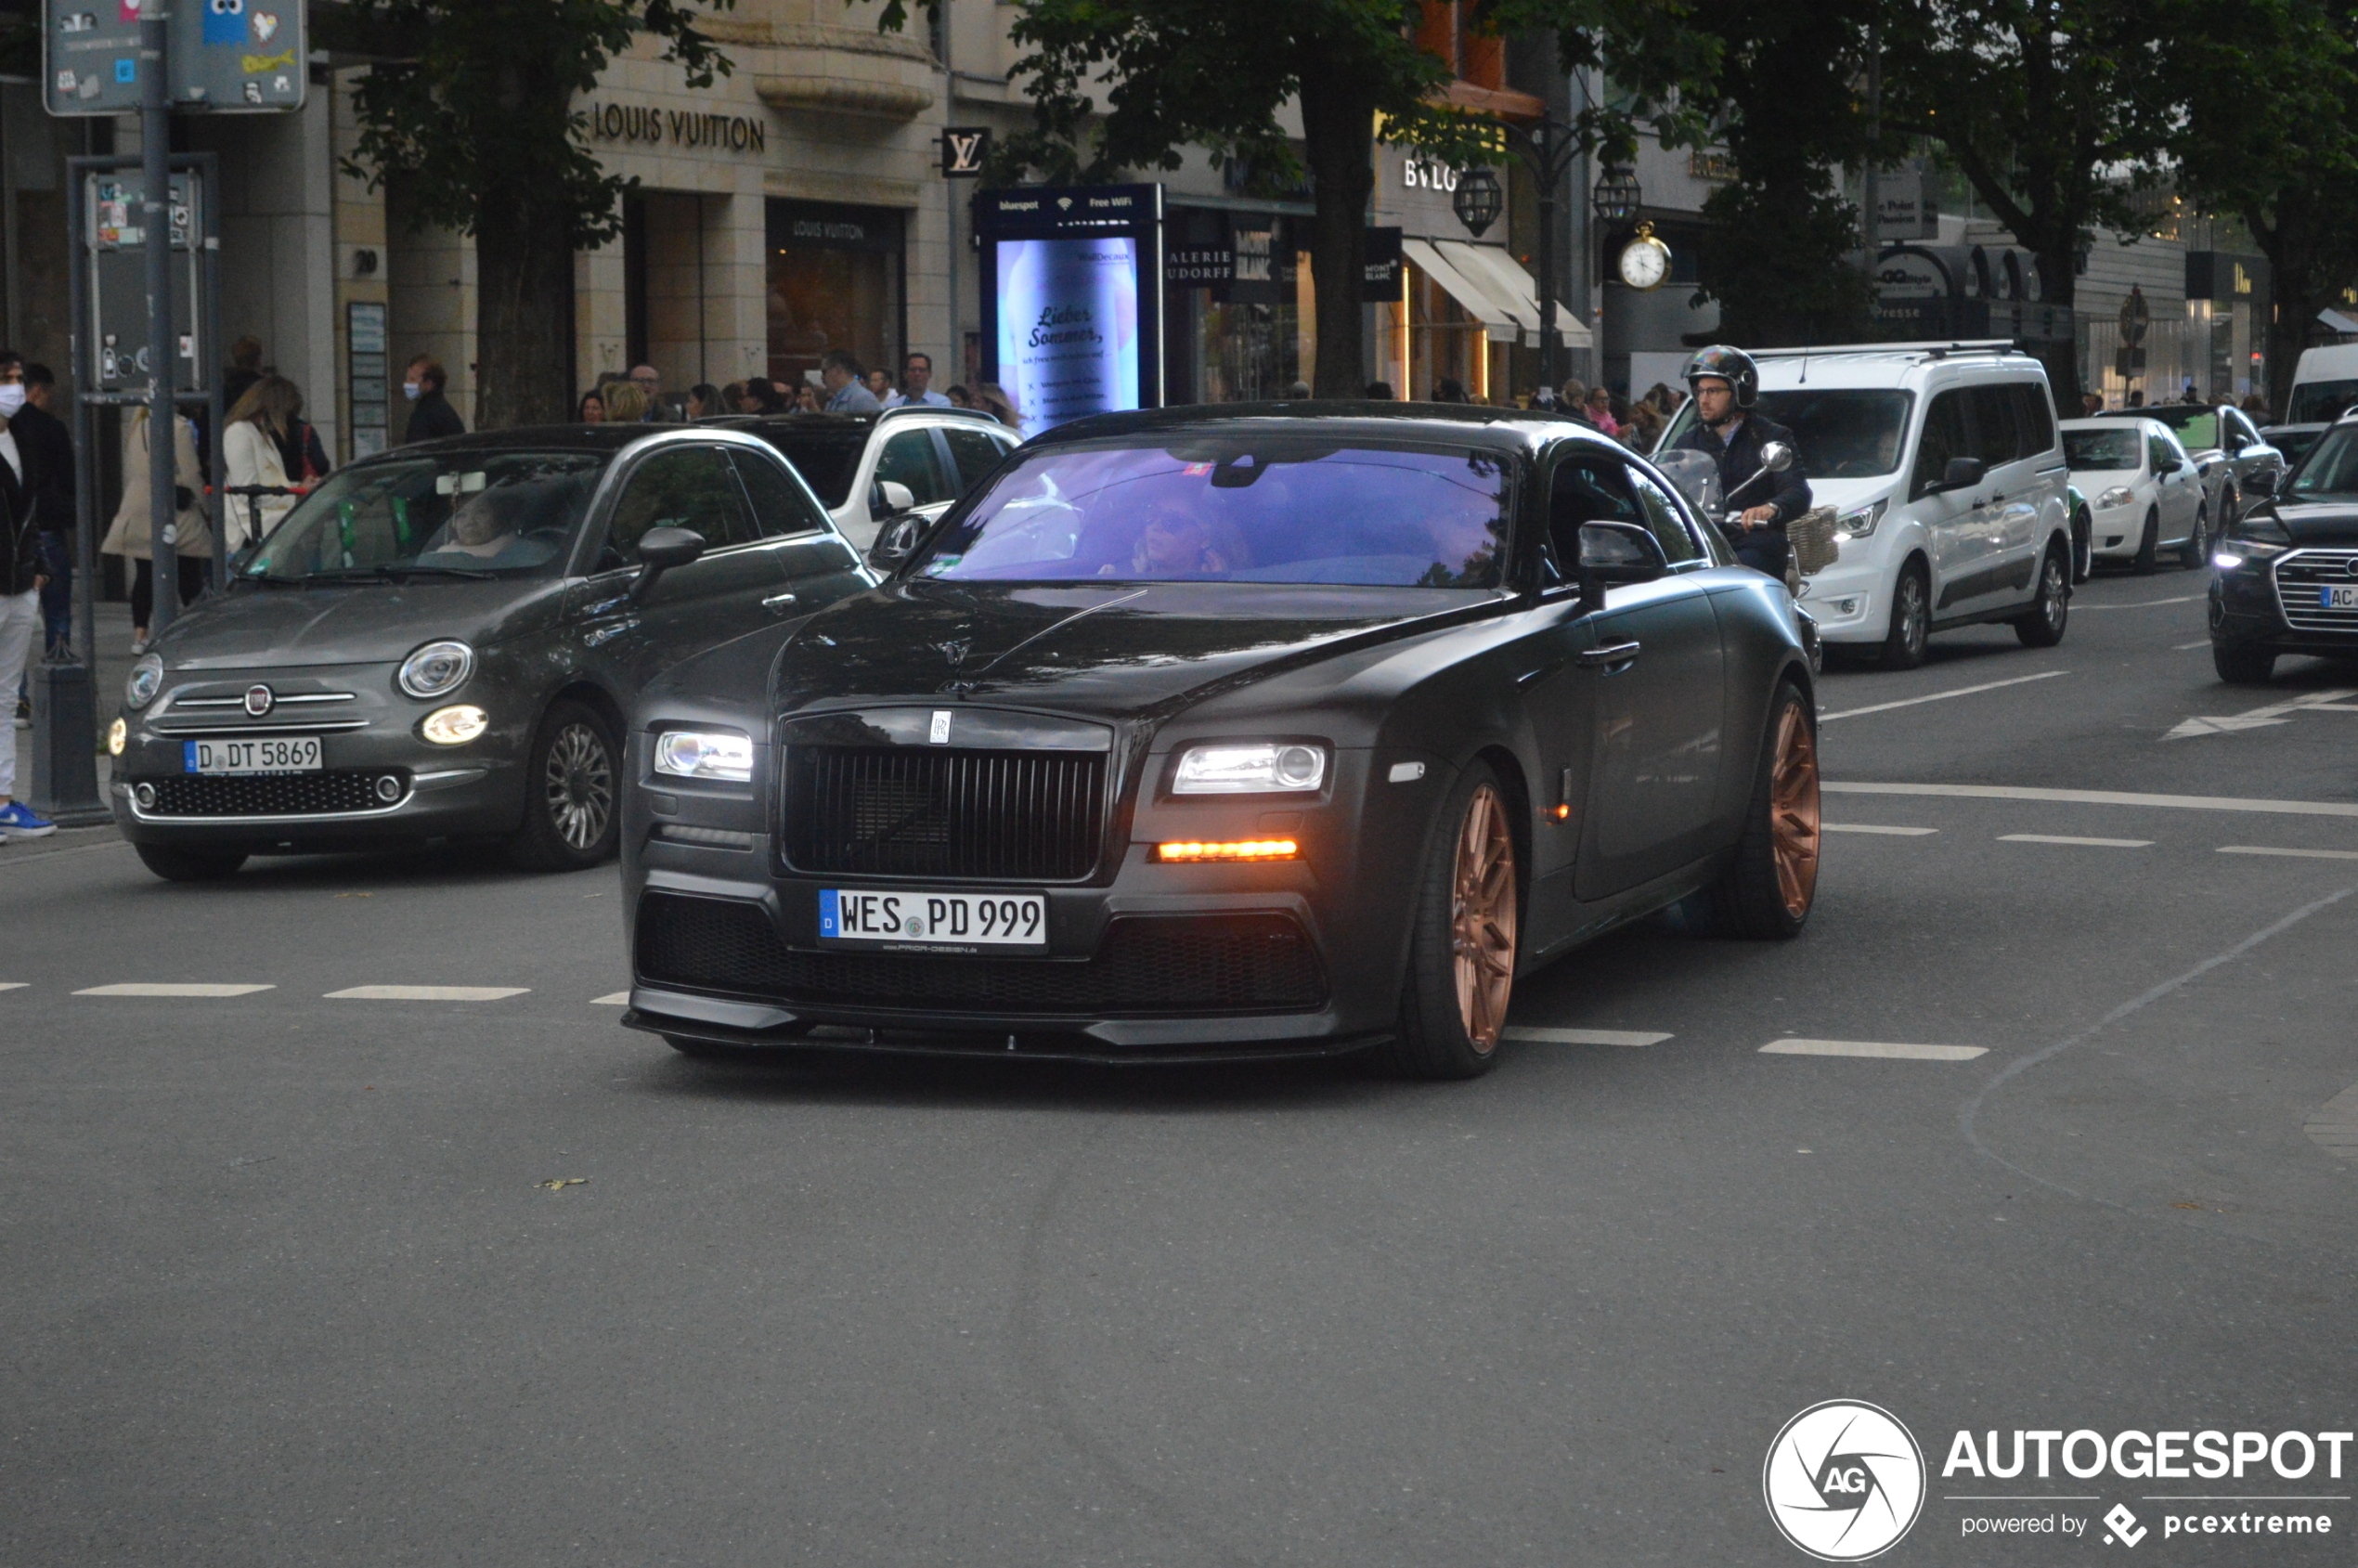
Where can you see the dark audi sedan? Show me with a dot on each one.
(2287, 573)
(442, 642)
(1200, 733)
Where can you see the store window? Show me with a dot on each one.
(836, 276)
(1429, 338)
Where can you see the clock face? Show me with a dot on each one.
(1645, 262)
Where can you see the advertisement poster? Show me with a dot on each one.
(1069, 327)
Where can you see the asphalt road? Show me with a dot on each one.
(284, 1280)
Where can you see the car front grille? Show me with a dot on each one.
(2300, 577)
(912, 812)
(1147, 963)
(268, 794)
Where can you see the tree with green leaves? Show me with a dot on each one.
(2283, 158)
(1221, 73)
(472, 101)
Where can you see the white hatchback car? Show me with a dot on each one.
(1948, 481)
(2144, 495)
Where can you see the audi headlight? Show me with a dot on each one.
(1265, 769)
(1860, 521)
(437, 668)
(147, 675)
(455, 726)
(2118, 496)
(704, 754)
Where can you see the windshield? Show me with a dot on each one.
(1237, 508)
(827, 456)
(2321, 402)
(1838, 431)
(2294, 444)
(2119, 448)
(2332, 468)
(453, 513)
(2196, 426)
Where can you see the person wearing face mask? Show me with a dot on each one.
(430, 415)
(21, 580)
(47, 447)
(1726, 384)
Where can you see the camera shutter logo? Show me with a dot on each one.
(1843, 1481)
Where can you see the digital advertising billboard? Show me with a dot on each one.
(1072, 299)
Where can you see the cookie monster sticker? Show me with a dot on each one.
(225, 21)
(1843, 1481)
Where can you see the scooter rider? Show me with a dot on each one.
(1726, 384)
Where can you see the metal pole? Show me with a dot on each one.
(81, 355)
(1871, 182)
(204, 180)
(1548, 175)
(155, 234)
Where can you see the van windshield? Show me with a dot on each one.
(1839, 432)
(2332, 468)
(2321, 402)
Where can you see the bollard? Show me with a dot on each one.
(65, 763)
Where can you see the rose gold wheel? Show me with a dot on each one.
(1793, 812)
(1482, 913)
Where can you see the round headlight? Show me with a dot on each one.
(455, 726)
(437, 668)
(139, 690)
(1299, 767)
(118, 737)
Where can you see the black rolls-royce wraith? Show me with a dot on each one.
(1210, 733)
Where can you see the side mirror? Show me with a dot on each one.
(2261, 482)
(1962, 473)
(659, 550)
(1617, 552)
(896, 543)
(1775, 457)
(889, 497)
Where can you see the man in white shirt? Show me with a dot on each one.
(917, 384)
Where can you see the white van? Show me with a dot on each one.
(1944, 469)
(2325, 385)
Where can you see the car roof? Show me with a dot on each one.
(2303, 429)
(543, 437)
(2103, 422)
(1503, 428)
(772, 426)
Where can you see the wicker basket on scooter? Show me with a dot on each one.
(1812, 535)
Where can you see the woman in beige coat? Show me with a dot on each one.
(129, 535)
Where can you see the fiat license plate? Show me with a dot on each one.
(941, 922)
(280, 754)
(2339, 598)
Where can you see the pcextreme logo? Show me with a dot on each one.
(1843, 1481)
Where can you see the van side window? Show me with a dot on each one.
(1948, 433)
(2038, 416)
(1998, 415)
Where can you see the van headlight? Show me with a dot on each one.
(437, 668)
(1264, 768)
(704, 754)
(1860, 520)
(140, 688)
(2118, 496)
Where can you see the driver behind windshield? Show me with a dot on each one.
(1726, 384)
(485, 533)
(1177, 545)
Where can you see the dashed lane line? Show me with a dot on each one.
(427, 992)
(2334, 1128)
(1941, 696)
(2067, 838)
(2102, 798)
(2188, 647)
(1892, 1049)
(2295, 854)
(141, 988)
(2138, 603)
(1582, 1036)
(1878, 827)
(13, 985)
(612, 999)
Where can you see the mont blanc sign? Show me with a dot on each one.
(648, 126)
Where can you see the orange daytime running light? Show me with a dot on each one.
(1242, 849)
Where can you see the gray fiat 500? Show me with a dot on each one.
(440, 642)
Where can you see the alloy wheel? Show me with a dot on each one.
(1793, 812)
(579, 786)
(1482, 918)
(1912, 607)
(2055, 595)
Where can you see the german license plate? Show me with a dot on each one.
(2339, 598)
(277, 754)
(941, 921)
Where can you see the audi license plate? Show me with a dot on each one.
(2339, 598)
(937, 921)
(282, 753)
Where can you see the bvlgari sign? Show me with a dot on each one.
(681, 127)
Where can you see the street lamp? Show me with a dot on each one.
(1617, 197)
(1478, 200)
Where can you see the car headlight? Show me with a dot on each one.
(704, 754)
(1262, 769)
(139, 689)
(1860, 521)
(2118, 496)
(455, 726)
(437, 668)
(118, 737)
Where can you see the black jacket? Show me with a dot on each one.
(20, 540)
(433, 417)
(1739, 459)
(47, 451)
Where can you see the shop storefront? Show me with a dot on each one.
(835, 279)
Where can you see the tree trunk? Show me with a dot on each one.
(524, 281)
(2059, 287)
(1339, 133)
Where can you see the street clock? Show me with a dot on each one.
(1645, 261)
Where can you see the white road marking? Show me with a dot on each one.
(2184, 647)
(2067, 838)
(13, 985)
(426, 992)
(1940, 696)
(2255, 719)
(136, 988)
(2298, 854)
(2102, 798)
(2335, 1126)
(613, 999)
(1582, 1036)
(1876, 827)
(2139, 603)
(1873, 1048)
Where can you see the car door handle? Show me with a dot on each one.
(1998, 500)
(778, 601)
(1611, 655)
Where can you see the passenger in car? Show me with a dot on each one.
(483, 534)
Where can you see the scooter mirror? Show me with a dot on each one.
(1775, 457)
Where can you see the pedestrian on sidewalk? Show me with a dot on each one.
(21, 580)
(263, 429)
(844, 380)
(432, 415)
(46, 448)
(130, 536)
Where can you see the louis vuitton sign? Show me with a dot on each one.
(681, 128)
